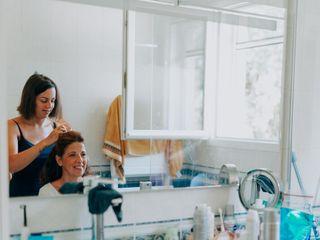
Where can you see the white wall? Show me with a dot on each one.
(80, 48)
(246, 156)
(306, 117)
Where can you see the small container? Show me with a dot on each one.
(145, 185)
(25, 233)
(271, 224)
(203, 223)
(171, 234)
(252, 225)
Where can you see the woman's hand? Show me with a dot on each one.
(62, 127)
(61, 122)
(54, 135)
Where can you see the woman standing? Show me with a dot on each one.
(32, 135)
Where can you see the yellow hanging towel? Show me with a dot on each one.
(116, 149)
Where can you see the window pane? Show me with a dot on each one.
(249, 85)
(168, 72)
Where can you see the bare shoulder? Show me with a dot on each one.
(13, 127)
(12, 123)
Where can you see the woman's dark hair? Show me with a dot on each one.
(51, 171)
(36, 84)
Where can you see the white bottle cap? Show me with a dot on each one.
(25, 232)
(258, 204)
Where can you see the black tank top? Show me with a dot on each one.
(26, 182)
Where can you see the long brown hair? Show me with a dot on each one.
(51, 171)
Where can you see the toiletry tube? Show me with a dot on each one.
(271, 224)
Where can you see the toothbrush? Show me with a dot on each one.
(223, 234)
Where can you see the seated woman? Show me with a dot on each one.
(67, 162)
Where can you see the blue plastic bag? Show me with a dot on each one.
(295, 224)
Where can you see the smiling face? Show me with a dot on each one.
(73, 161)
(45, 103)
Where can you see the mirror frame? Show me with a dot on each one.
(271, 178)
(286, 117)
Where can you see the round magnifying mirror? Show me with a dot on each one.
(259, 189)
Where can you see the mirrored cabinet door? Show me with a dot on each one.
(166, 80)
(204, 75)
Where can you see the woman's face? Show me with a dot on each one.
(45, 102)
(74, 161)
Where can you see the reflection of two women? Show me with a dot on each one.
(40, 130)
(32, 135)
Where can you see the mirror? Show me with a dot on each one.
(259, 189)
(80, 47)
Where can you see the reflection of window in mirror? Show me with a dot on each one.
(249, 80)
(165, 86)
(235, 69)
(228, 75)
(248, 87)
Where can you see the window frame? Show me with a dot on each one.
(129, 93)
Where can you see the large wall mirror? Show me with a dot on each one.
(226, 55)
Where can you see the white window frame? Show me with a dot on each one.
(211, 16)
(129, 131)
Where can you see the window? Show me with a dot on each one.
(188, 76)
(248, 82)
(165, 87)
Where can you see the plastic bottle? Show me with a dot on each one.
(271, 224)
(203, 223)
(25, 232)
(171, 234)
(252, 225)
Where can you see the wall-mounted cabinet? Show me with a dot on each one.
(203, 69)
